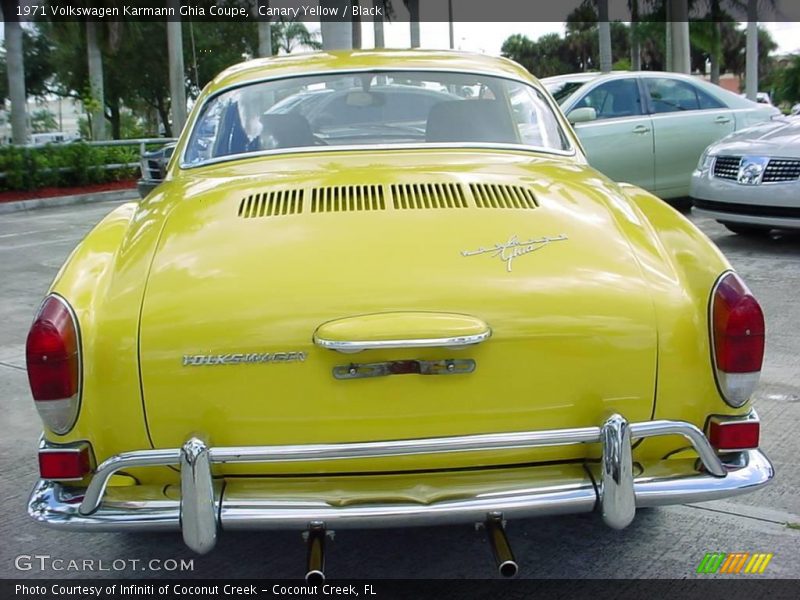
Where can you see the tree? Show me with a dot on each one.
(636, 47)
(42, 121)
(336, 34)
(413, 21)
(751, 61)
(143, 89)
(581, 36)
(96, 89)
(264, 32)
(787, 84)
(177, 76)
(16, 78)
(604, 32)
(377, 23)
(678, 26)
(289, 35)
(38, 65)
(545, 57)
(583, 39)
(356, 23)
(706, 36)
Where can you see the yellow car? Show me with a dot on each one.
(383, 289)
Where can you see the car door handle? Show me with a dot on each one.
(722, 120)
(641, 129)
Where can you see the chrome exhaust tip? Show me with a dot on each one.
(315, 577)
(501, 550)
(315, 558)
(508, 568)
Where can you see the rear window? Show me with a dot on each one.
(374, 108)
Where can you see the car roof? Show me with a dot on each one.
(320, 62)
(592, 75)
(733, 100)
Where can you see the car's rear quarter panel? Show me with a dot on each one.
(682, 266)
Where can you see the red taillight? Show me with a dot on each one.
(53, 357)
(738, 338)
(734, 435)
(69, 463)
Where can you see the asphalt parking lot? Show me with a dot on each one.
(666, 543)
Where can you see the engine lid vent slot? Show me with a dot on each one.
(489, 195)
(428, 195)
(347, 198)
(272, 204)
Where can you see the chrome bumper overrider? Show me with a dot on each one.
(204, 508)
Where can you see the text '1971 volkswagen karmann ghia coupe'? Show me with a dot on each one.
(382, 289)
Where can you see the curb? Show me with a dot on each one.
(36, 203)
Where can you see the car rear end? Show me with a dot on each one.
(385, 337)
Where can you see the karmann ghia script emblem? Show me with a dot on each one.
(514, 248)
(240, 358)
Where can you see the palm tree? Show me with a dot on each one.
(751, 57)
(636, 46)
(678, 27)
(413, 15)
(177, 82)
(708, 36)
(16, 78)
(264, 32)
(377, 23)
(788, 88)
(336, 34)
(356, 25)
(604, 30)
(97, 101)
(288, 35)
(450, 23)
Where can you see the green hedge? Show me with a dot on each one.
(64, 165)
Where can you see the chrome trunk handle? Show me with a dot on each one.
(351, 346)
(412, 329)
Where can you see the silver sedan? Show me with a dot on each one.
(750, 180)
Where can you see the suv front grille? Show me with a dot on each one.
(781, 169)
(727, 167)
(777, 169)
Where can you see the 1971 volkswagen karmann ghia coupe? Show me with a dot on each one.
(393, 313)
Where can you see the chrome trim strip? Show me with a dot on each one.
(46, 447)
(617, 499)
(379, 147)
(55, 505)
(352, 346)
(466, 443)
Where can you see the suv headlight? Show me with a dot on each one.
(705, 162)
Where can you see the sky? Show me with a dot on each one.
(489, 37)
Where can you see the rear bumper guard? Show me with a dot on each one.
(202, 510)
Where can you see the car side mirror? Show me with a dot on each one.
(582, 115)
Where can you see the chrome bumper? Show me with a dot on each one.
(203, 508)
